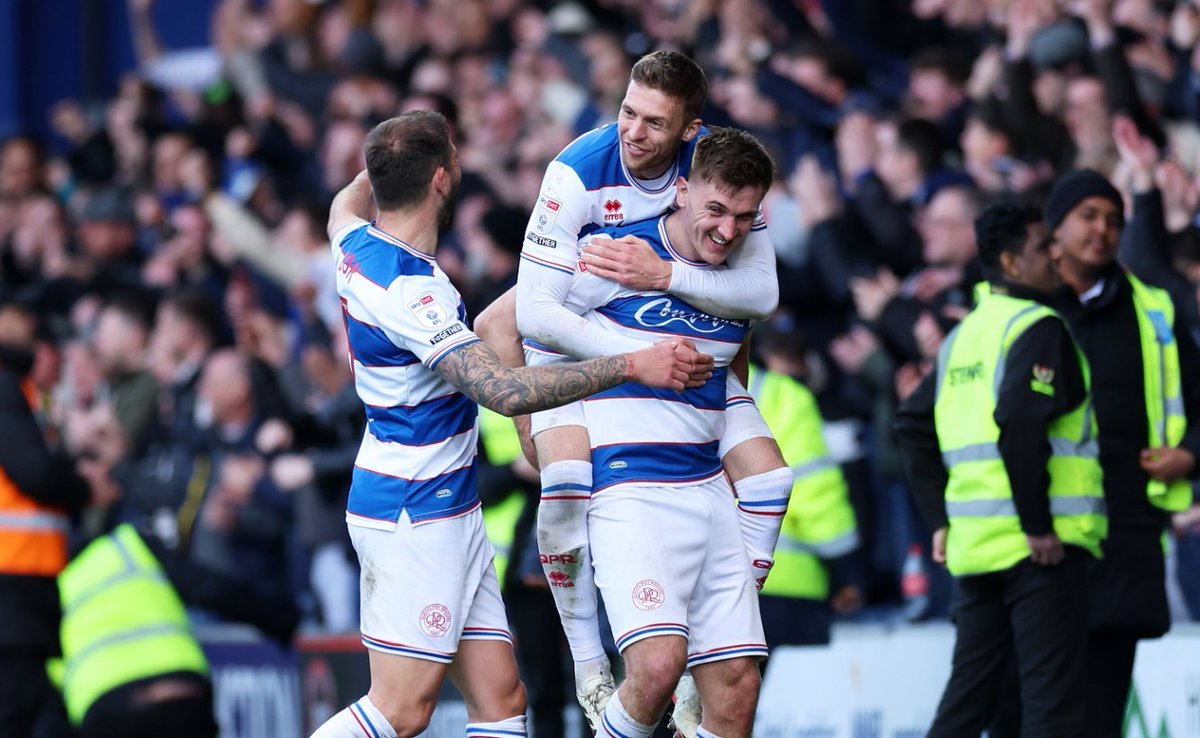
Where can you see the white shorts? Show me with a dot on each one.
(571, 414)
(743, 421)
(670, 561)
(426, 587)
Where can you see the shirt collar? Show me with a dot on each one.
(1092, 292)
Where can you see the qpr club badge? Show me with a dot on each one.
(435, 620)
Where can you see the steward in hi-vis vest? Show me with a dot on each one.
(125, 628)
(819, 527)
(1146, 388)
(1000, 449)
(130, 664)
(501, 446)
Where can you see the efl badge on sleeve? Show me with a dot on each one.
(547, 214)
(427, 310)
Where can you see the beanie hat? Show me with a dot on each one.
(1075, 187)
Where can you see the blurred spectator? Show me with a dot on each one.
(186, 330)
(315, 467)
(939, 293)
(120, 341)
(107, 261)
(492, 252)
(936, 88)
(20, 168)
(243, 529)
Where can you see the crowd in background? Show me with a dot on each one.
(171, 240)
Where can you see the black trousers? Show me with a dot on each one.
(795, 621)
(540, 654)
(1109, 674)
(1037, 613)
(127, 712)
(24, 691)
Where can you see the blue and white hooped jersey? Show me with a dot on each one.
(641, 435)
(586, 188)
(402, 317)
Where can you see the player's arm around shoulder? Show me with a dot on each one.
(746, 289)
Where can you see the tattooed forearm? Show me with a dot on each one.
(477, 371)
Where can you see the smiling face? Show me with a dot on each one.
(715, 218)
(651, 126)
(1088, 236)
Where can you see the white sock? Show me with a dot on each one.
(616, 722)
(762, 502)
(702, 733)
(359, 720)
(507, 728)
(566, 559)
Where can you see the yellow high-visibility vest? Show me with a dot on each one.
(985, 534)
(819, 523)
(122, 621)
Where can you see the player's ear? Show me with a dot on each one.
(1009, 266)
(691, 129)
(681, 192)
(441, 180)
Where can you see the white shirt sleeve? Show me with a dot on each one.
(565, 331)
(748, 289)
(562, 210)
(420, 314)
(346, 230)
(548, 261)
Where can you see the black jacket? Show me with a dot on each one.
(29, 606)
(1022, 414)
(1127, 590)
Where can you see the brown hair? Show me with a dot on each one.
(402, 155)
(732, 159)
(676, 75)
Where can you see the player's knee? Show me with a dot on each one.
(409, 715)
(516, 701)
(740, 683)
(659, 670)
(501, 702)
(754, 456)
(747, 679)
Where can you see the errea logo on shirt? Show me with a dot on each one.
(612, 211)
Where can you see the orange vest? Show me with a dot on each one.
(33, 536)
